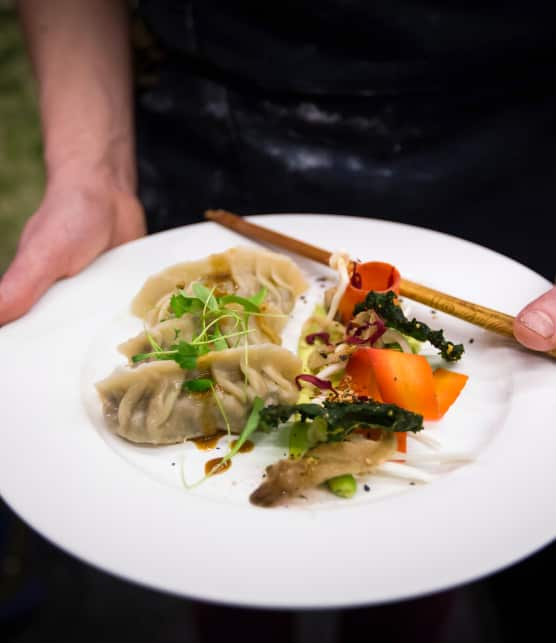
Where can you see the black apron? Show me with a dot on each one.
(439, 114)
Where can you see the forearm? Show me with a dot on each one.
(81, 56)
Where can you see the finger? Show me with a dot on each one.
(31, 273)
(535, 325)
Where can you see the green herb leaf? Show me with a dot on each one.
(186, 354)
(250, 427)
(154, 344)
(259, 296)
(206, 296)
(200, 385)
(220, 344)
(182, 353)
(212, 311)
(181, 304)
(248, 305)
(140, 357)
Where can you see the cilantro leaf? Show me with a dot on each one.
(199, 385)
(181, 304)
(182, 353)
(186, 354)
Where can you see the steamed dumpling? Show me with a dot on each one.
(169, 331)
(165, 334)
(147, 404)
(241, 271)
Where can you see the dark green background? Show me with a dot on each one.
(21, 169)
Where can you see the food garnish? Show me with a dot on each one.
(372, 275)
(361, 382)
(384, 304)
(211, 311)
(339, 419)
(250, 427)
(288, 478)
(344, 486)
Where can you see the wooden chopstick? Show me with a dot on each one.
(258, 233)
(487, 318)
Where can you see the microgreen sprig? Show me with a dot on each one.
(249, 428)
(212, 310)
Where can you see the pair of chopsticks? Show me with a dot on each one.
(473, 313)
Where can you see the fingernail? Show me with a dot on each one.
(539, 322)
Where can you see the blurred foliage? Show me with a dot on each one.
(21, 168)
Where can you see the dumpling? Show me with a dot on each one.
(148, 404)
(241, 271)
(169, 331)
(164, 334)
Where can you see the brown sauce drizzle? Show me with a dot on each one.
(207, 442)
(245, 447)
(209, 466)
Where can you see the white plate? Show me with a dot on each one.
(122, 507)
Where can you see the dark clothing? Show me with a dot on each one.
(440, 114)
(359, 47)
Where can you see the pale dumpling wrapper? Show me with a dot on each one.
(147, 404)
(242, 271)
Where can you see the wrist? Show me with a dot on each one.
(88, 131)
(77, 173)
(112, 167)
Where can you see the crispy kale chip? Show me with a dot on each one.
(341, 418)
(385, 306)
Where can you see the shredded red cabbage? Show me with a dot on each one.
(356, 278)
(353, 339)
(351, 325)
(379, 332)
(360, 329)
(325, 337)
(314, 380)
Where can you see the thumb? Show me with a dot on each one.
(535, 325)
(30, 274)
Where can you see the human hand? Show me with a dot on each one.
(76, 221)
(535, 325)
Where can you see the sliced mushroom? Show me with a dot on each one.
(290, 477)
